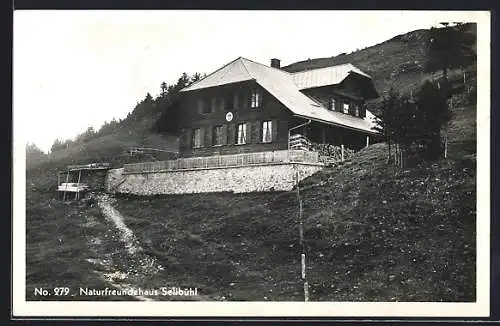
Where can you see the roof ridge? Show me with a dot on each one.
(269, 67)
(212, 73)
(245, 66)
(327, 67)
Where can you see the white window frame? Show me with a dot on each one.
(267, 131)
(345, 108)
(241, 134)
(256, 99)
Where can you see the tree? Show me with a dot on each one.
(434, 114)
(34, 153)
(386, 120)
(164, 89)
(57, 145)
(196, 77)
(417, 123)
(148, 99)
(449, 47)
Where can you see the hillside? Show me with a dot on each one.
(373, 232)
(398, 62)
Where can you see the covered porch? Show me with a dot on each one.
(322, 133)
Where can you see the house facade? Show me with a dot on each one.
(250, 107)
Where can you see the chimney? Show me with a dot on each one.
(275, 63)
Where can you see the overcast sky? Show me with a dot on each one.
(75, 69)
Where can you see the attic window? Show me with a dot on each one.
(332, 104)
(256, 99)
(346, 108)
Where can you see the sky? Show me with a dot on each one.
(76, 69)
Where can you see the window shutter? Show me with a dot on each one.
(182, 139)
(247, 98)
(231, 136)
(222, 104)
(275, 129)
(256, 132)
(199, 104)
(261, 99)
(236, 101)
(187, 136)
(213, 104)
(202, 136)
(224, 135)
(209, 131)
(248, 136)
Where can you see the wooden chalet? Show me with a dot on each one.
(247, 107)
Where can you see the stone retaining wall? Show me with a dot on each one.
(270, 177)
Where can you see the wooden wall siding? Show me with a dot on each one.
(191, 116)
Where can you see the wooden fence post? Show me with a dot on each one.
(302, 246)
(342, 152)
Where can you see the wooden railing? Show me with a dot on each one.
(89, 166)
(219, 161)
(300, 142)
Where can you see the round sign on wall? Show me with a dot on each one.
(229, 116)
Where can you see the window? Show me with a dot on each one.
(242, 133)
(217, 137)
(256, 99)
(204, 106)
(356, 113)
(332, 104)
(346, 108)
(267, 131)
(196, 138)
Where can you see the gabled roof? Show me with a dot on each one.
(233, 72)
(325, 76)
(283, 86)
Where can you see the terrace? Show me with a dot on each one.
(226, 161)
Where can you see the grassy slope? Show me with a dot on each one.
(111, 148)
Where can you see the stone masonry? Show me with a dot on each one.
(258, 178)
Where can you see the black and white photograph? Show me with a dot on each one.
(251, 163)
